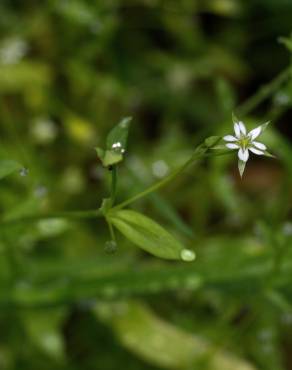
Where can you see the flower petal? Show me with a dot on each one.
(253, 134)
(232, 146)
(256, 151)
(243, 154)
(237, 130)
(242, 127)
(259, 145)
(229, 138)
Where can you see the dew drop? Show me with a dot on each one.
(110, 247)
(117, 145)
(187, 255)
(23, 172)
(118, 148)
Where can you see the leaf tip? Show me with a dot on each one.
(125, 122)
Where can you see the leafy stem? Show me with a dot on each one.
(158, 184)
(200, 153)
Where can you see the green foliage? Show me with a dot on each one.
(77, 295)
(119, 134)
(116, 144)
(147, 234)
(162, 343)
(7, 167)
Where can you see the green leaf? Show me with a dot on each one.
(148, 235)
(241, 167)
(115, 145)
(119, 134)
(7, 167)
(161, 343)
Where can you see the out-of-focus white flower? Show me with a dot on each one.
(12, 50)
(44, 130)
(244, 142)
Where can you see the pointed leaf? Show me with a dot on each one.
(148, 235)
(119, 134)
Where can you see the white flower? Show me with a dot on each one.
(244, 141)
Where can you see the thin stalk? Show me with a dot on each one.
(170, 177)
(113, 185)
(111, 229)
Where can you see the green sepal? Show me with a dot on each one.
(111, 158)
(241, 167)
(264, 126)
(267, 154)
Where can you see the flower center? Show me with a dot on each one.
(244, 142)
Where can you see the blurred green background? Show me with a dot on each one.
(69, 71)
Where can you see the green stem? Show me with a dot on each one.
(113, 184)
(196, 156)
(75, 215)
(111, 229)
(263, 93)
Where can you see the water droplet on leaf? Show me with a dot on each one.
(187, 255)
(118, 148)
